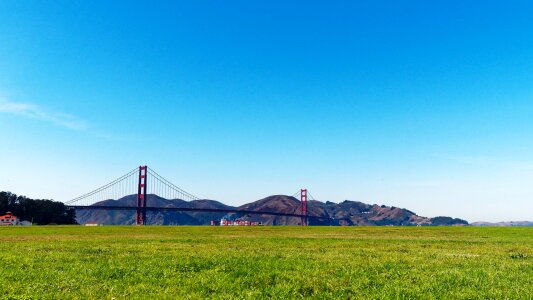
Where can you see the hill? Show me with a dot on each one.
(344, 213)
(327, 213)
(127, 217)
(510, 223)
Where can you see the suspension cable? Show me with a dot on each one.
(103, 187)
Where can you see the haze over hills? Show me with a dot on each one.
(509, 223)
(327, 213)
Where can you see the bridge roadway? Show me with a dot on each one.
(189, 209)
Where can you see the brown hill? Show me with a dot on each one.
(276, 203)
(325, 213)
(330, 213)
(127, 217)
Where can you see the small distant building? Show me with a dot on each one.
(92, 224)
(8, 219)
(226, 222)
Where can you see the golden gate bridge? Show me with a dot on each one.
(144, 182)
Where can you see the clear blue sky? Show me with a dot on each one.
(426, 105)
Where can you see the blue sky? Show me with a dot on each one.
(425, 105)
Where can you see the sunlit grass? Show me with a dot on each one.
(266, 262)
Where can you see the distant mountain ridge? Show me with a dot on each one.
(349, 213)
(510, 223)
(127, 217)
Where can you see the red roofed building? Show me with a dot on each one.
(8, 219)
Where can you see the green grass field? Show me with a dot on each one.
(59, 262)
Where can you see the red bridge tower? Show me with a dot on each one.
(140, 216)
(303, 207)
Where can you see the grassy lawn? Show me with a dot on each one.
(119, 262)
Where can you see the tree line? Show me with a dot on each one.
(39, 211)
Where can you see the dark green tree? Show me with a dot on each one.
(39, 211)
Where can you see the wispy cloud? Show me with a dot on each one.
(36, 112)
